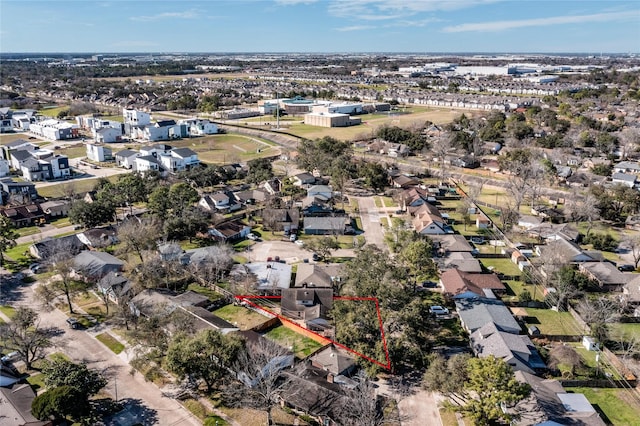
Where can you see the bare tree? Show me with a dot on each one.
(599, 313)
(261, 383)
(61, 261)
(632, 243)
(138, 236)
(441, 148)
(211, 268)
(363, 407)
(25, 336)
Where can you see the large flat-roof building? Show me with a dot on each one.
(321, 119)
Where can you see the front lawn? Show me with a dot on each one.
(300, 345)
(552, 323)
(504, 266)
(620, 406)
(241, 317)
(111, 342)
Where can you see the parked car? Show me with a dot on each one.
(73, 323)
(10, 357)
(299, 242)
(315, 257)
(477, 240)
(438, 310)
(35, 267)
(252, 236)
(292, 237)
(430, 284)
(627, 268)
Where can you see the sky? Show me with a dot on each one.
(322, 26)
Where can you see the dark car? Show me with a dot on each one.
(73, 323)
(429, 284)
(626, 268)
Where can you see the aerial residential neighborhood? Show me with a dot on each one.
(358, 239)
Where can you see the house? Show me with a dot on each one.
(47, 247)
(428, 221)
(251, 196)
(270, 277)
(314, 275)
(17, 145)
(230, 231)
(302, 179)
(606, 275)
(46, 167)
(516, 350)
(213, 202)
(631, 293)
(309, 305)
(115, 286)
(551, 231)
(450, 243)
(335, 361)
(320, 192)
(334, 225)
(15, 406)
(549, 404)
(19, 157)
(564, 252)
(24, 215)
(187, 158)
(528, 222)
(624, 179)
(4, 167)
(463, 261)
(108, 135)
(56, 208)
(630, 167)
(53, 129)
(99, 153)
(460, 285)
(404, 181)
(156, 150)
(474, 313)
(286, 220)
(22, 192)
(273, 186)
(200, 127)
(126, 158)
(99, 237)
(96, 264)
(146, 163)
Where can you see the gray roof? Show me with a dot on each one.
(336, 223)
(126, 153)
(21, 154)
(183, 152)
(624, 177)
(476, 312)
(96, 263)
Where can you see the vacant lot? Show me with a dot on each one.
(243, 318)
(553, 323)
(300, 345)
(228, 148)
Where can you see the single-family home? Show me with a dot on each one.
(428, 221)
(49, 246)
(332, 225)
(320, 192)
(24, 215)
(24, 191)
(146, 163)
(286, 220)
(474, 313)
(549, 404)
(630, 167)
(460, 285)
(554, 231)
(404, 181)
(127, 158)
(302, 179)
(115, 286)
(99, 153)
(565, 252)
(606, 274)
(336, 361)
(187, 158)
(108, 135)
(518, 351)
(214, 202)
(230, 231)
(156, 149)
(270, 277)
(15, 405)
(463, 261)
(314, 275)
(624, 179)
(251, 196)
(96, 264)
(450, 243)
(56, 208)
(309, 305)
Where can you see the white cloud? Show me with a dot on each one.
(188, 14)
(358, 9)
(356, 28)
(541, 22)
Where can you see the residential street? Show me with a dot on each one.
(145, 402)
(371, 225)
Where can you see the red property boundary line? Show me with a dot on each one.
(247, 299)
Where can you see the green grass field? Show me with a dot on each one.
(503, 266)
(78, 186)
(620, 406)
(300, 345)
(211, 294)
(53, 111)
(228, 148)
(553, 323)
(111, 342)
(241, 317)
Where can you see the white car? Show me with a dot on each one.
(438, 310)
(299, 242)
(252, 236)
(11, 357)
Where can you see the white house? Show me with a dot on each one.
(147, 163)
(46, 168)
(199, 127)
(54, 129)
(98, 153)
(126, 158)
(4, 167)
(624, 179)
(186, 158)
(217, 201)
(108, 135)
(135, 117)
(156, 149)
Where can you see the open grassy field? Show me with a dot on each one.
(300, 345)
(6, 138)
(503, 266)
(53, 111)
(553, 323)
(620, 406)
(77, 186)
(241, 317)
(227, 148)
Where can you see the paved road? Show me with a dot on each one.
(145, 400)
(371, 225)
(45, 232)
